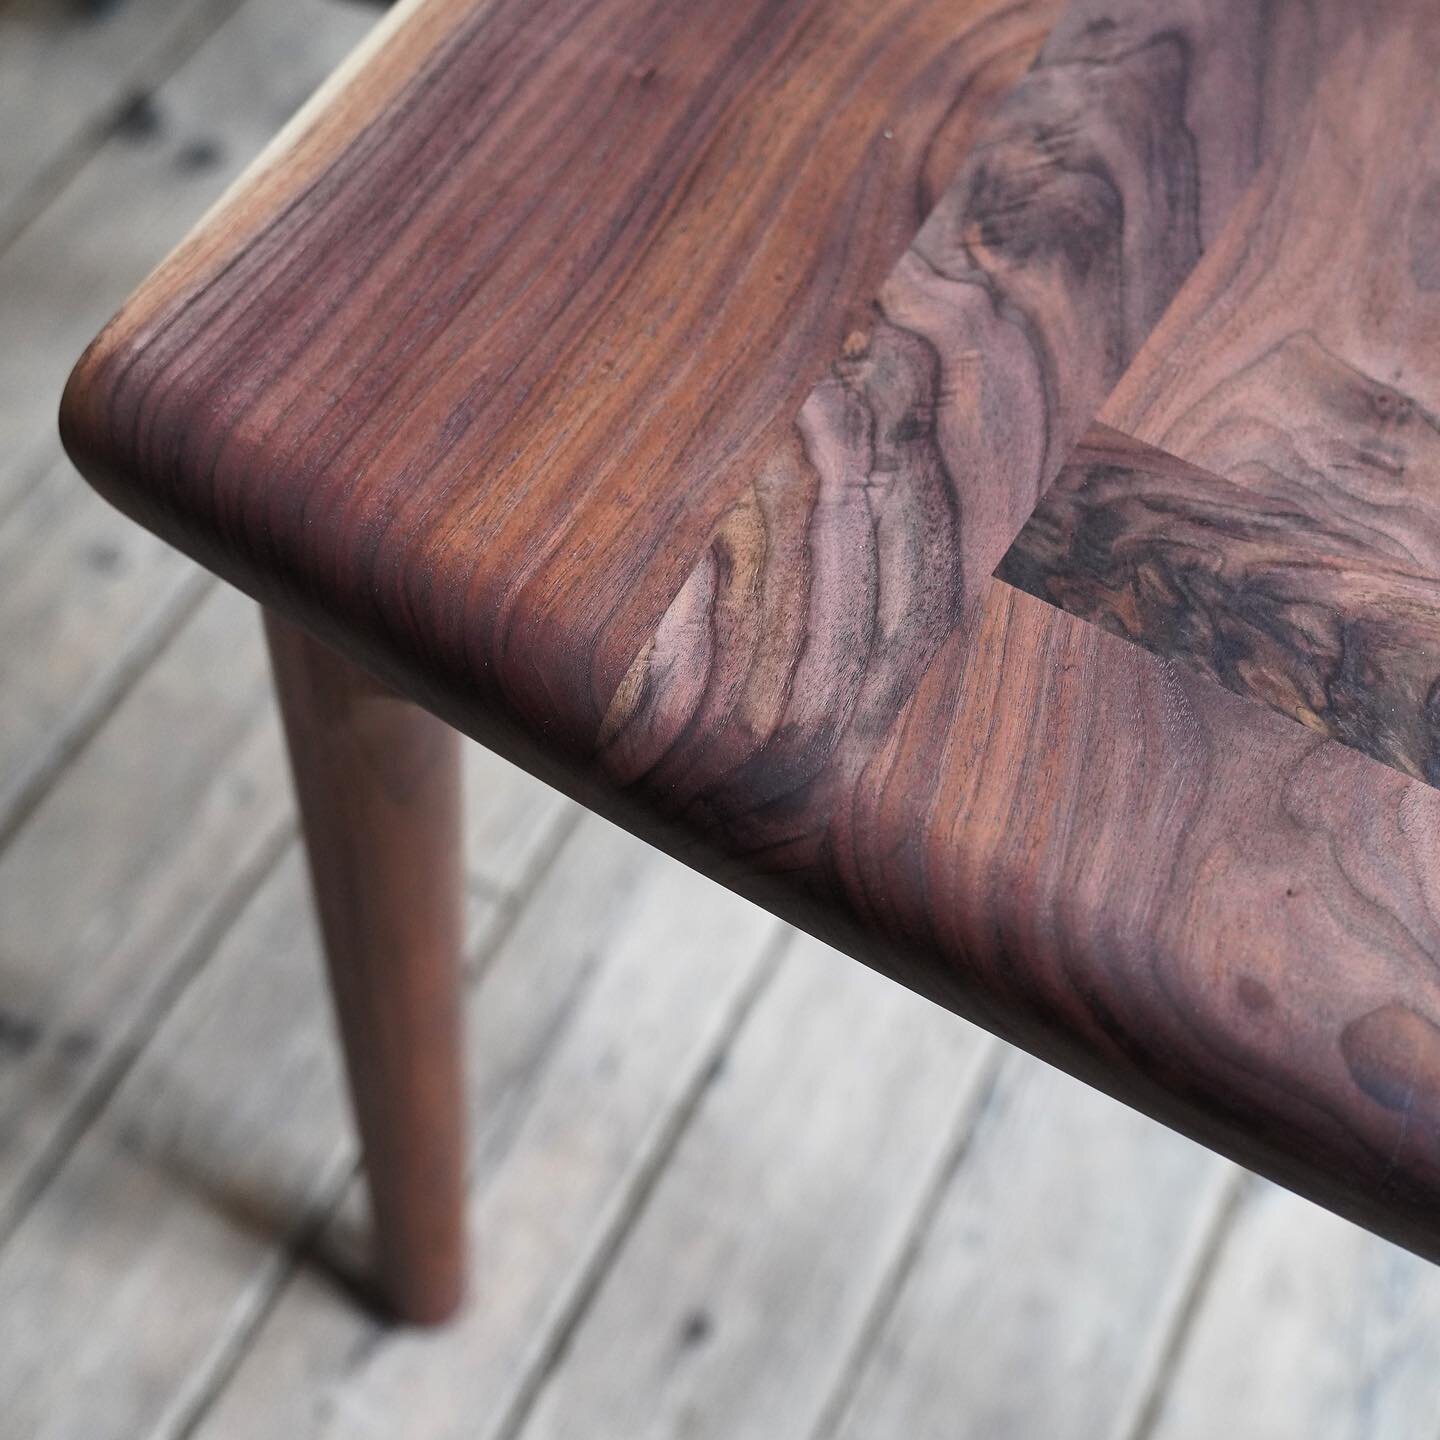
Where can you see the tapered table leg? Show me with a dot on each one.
(378, 782)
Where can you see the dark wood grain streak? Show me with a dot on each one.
(512, 421)
(1261, 591)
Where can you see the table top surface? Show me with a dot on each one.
(965, 473)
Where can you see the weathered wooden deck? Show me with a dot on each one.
(725, 1183)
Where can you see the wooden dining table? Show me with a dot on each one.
(963, 473)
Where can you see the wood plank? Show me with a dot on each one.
(88, 600)
(143, 846)
(113, 223)
(590, 1033)
(1054, 1265)
(1310, 1328)
(736, 1306)
(68, 73)
(835, 583)
(1170, 892)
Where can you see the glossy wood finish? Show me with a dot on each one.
(528, 445)
(378, 781)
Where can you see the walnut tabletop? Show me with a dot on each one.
(964, 473)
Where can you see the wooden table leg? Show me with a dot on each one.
(378, 782)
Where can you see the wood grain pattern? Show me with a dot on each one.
(1263, 592)
(557, 491)
(484, 322)
(1299, 564)
(861, 546)
(200, 1160)
(1300, 360)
